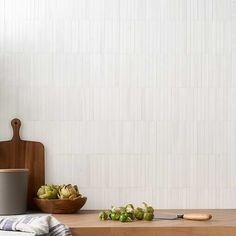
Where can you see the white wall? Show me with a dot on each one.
(133, 99)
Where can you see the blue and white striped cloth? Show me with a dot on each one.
(43, 225)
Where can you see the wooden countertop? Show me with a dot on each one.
(86, 223)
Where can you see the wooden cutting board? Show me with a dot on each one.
(17, 153)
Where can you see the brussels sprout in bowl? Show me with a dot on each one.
(59, 199)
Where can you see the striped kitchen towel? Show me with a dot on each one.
(43, 225)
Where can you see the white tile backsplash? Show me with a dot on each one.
(134, 100)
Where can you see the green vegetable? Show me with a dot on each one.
(109, 214)
(129, 208)
(115, 213)
(138, 212)
(103, 215)
(147, 208)
(148, 212)
(130, 215)
(148, 216)
(58, 191)
(122, 210)
(68, 192)
(47, 192)
(115, 216)
(123, 218)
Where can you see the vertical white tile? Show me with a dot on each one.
(98, 165)
(80, 170)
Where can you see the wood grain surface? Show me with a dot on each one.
(86, 223)
(17, 153)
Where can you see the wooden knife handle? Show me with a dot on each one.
(197, 216)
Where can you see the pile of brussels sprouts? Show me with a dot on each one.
(58, 191)
(128, 213)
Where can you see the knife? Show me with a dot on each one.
(188, 216)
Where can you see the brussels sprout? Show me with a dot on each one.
(123, 218)
(108, 214)
(129, 208)
(147, 208)
(68, 192)
(122, 210)
(115, 215)
(103, 215)
(47, 192)
(130, 215)
(148, 216)
(77, 190)
(148, 212)
(41, 191)
(138, 212)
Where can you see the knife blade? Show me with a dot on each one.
(187, 216)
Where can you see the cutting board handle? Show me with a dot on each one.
(16, 123)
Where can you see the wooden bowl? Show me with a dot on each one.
(60, 206)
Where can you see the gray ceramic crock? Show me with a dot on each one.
(13, 191)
